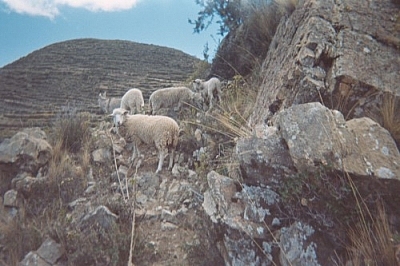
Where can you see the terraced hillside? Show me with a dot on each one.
(36, 88)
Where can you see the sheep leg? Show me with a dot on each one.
(160, 161)
(139, 162)
(171, 160)
(136, 154)
(211, 102)
(219, 94)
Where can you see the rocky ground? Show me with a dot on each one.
(311, 177)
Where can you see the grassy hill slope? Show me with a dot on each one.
(37, 87)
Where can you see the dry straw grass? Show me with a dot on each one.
(235, 109)
(371, 238)
(264, 19)
(390, 113)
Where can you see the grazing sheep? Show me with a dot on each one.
(173, 96)
(160, 131)
(208, 88)
(107, 105)
(133, 101)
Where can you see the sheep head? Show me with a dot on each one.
(197, 84)
(119, 116)
(103, 96)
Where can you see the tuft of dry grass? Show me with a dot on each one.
(72, 130)
(264, 19)
(236, 107)
(371, 238)
(228, 122)
(372, 242)
(17, 240)
(390, 112)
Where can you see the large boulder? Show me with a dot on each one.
(332, 52)
(243, 213)
(25, 152)
(317, 136)
(264, 157)
(304, 141)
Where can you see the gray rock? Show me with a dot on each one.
(33, 259)
(296, 246)
(319, 54)
(101, 155)
(50, 251)
(101, 216)
(11, 199)
(374, 152)
(317, 136)
(166, 226)
(26, 151)
(262, 157)
(312, 135)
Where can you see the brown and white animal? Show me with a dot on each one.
(133, 101)
(207, 89)
(107, 105)
(161, 132)
(173, 97)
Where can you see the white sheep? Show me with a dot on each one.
(173, 97)
(133, 101)
(107, 105)
(159, 131)
(207, 89)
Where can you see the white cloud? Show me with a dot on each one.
(50, 8)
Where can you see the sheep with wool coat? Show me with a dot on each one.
(208, 88)
(173, 96)
(133, 101)
(107, 105)
(161, 132)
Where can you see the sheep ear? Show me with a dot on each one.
(126, 112)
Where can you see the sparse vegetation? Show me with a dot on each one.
(328, 199)
(227, 123)
(228, 11)
(72, 129)
(390, 113)
(372, 241)
(251, 26)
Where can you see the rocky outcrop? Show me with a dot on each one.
(94, 210)
(305, 138)
(317, 123)
(311, 151)
(26, 152)
(318, 136)
(342, 53)
(47, 255)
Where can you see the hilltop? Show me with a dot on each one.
(37, 87)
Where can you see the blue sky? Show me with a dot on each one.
(28, 25)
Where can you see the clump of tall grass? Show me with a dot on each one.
(390, 113)
(263, 20)
(371, 238)
(71, 129)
